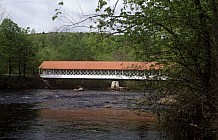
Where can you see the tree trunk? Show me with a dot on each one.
(215, 32)
(9, 67)
(24, 69)
(19, 67)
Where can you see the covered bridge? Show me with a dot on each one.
(101, 70)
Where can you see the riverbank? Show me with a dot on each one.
(21, 82)
(15, 82)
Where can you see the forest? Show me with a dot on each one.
(22, 52)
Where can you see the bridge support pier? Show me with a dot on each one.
(115, 85)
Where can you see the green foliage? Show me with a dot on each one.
(57, 11)
(21, 53)
(61, 3)
(181, 34)
(111, 48)
(15, 48)
(82, 46)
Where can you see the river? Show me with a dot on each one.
(66, 114)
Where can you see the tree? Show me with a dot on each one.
(76, 47)
(15, 47)
(110, 48)
(25, 52)
(184, 33)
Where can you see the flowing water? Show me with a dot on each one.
(67, 114)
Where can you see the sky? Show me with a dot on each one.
(37, 14)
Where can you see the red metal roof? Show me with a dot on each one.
(100, 65)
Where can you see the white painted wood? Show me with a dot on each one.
(92, 74)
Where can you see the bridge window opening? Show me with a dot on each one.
(66, 71)
(119, 72)
(153, 75)
(141, 73)
(63, 72)
(95, 72)
(137, 73)
(43, 72)
(134, 73)
(56, 72)
(98, 72)
(159, 72)
(92, 72)
(87, 72)
(130, 73)
(76, 72)
(109, 72)
(104, 72)
(82, 72)
(69, 72)
(151, 72)
(53, 72)
(112, 72)
(60, 72)
(73, 72)
(126, 73)
(46, 71)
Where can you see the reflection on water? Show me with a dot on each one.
(16, 117)
(66, 114)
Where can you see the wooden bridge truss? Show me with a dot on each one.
(103, 74)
